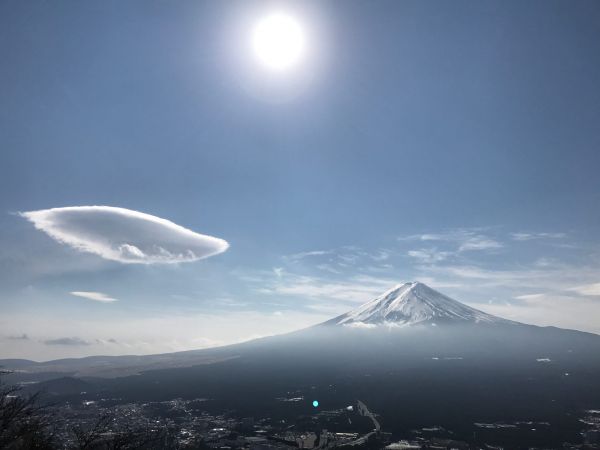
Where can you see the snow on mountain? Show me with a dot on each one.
(410, 304)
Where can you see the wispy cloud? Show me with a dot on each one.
(478, 242)
(428, 255)
(67, 341)
(96, 296)
(354, 290)
(124, 235)
(532, 277)
(427, 237)
(531, 236)
(328, 268)
(302, 255)
(340, 260)
(452, 235)
(588, 289)
(518, 282)
(21, 337)
(464, 239)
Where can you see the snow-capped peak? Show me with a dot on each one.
(409, 304)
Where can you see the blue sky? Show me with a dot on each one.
(454, 143)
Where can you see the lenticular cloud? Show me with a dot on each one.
(123, 235)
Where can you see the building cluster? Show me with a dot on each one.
(185, 424)
(591, 435)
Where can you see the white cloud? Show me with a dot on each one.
(428, 255)
(381, 255)
(467, 239)
(124, 235)
(478, 243)
(96, 296)
(338, 260)
(588, 289)
(357, 289)
(452, 235)
(303, 255)
(360, 325)
(328, 268)
(433, 237)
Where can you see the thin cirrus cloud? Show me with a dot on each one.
(479, 243)
(124, 235)
(96, 296)
(466, 239)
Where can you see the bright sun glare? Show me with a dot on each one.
(278, 41)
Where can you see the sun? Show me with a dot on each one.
(278, 41)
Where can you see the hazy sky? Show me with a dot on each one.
(455, 143)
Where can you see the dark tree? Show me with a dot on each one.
(23, 422)
(26, 424)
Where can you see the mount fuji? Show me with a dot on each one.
(412, 304)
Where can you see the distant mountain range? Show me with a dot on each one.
(415, 356)
(413, 319)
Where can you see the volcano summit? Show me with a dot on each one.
(411, 304)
